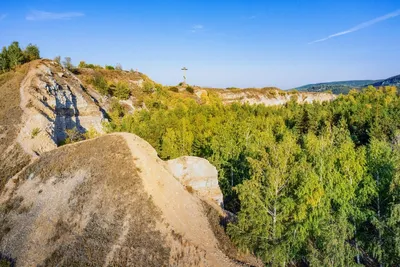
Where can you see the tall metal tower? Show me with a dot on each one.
(184, 69)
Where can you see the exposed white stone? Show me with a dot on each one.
(199, 174)
(54, 104)
(271, 98)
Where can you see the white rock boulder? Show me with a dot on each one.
(199, 175)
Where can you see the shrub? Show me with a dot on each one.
(190, 89)
(31, 52)
(174, 89)
(122, 90)
(116, 109)
(91, 133)
(67, 63)
(73, 135)
(82, 64)
(148, 86)
(108, 67)
(58, 59)
(158, 87)
(35, 132)
(100, 84)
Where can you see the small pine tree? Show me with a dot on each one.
(15, 55)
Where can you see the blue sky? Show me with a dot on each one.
(223, 43)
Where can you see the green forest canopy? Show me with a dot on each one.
(314, 183)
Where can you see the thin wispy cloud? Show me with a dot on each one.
(196, 28)
(3, 16)
(360, 26)
(44, 15)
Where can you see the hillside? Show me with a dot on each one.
(392, 81)
(341, 87)
(46, 101)
(42, 102)
(105, 201)
(12, 157)
(109, 201)
(284, 165)
(344, 87)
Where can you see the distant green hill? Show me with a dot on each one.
(394, 81)
(341, 87)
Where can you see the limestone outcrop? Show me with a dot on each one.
(199, 175)
(53, 100)
(269, 96)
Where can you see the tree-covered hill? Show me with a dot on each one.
(392, 81)
(315, 184)
(341, 87)
(344, 87)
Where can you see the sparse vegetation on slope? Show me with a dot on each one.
(109, 175)
(12, 156)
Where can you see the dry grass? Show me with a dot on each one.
(111, 174)
(112, 77)
(12, 156)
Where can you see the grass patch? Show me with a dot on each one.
(35, 132)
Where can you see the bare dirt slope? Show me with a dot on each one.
(39, 102)
(12, 156)
(109, 201)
